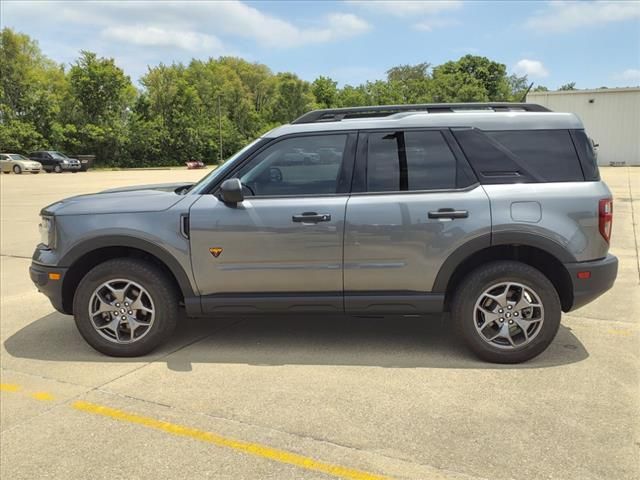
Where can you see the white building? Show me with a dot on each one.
(611, 117)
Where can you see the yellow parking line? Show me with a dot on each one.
(43, 396)
(9, 387)
(245, 447)
(623, 333)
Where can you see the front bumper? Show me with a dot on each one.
(71, 166)
(602, 275)
(48, 280)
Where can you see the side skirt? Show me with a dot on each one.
(356, 303)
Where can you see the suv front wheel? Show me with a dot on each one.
(125, 307)
(506, 312)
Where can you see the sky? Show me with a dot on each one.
(591, 43)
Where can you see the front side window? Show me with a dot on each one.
(405, 161)
(307, 165)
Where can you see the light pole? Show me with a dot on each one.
(220, 129)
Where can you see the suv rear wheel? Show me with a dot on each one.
(125, 307)
(506, 312)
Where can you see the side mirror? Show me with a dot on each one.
(231, 191)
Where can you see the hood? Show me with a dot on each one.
(164, 187)
(145, 198)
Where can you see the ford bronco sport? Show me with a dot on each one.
(494, 212)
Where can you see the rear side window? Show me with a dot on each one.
(548, 153)
(405, 161)
(513, 156)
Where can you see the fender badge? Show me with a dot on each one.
(215, 251)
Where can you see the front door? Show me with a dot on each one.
(281, 248)
(418, 203)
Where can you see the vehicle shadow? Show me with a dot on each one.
(389, 342)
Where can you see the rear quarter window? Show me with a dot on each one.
(521, 156)
(548, 153)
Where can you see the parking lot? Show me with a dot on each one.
(293, 398)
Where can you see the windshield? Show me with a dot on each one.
(198, 187)
(58, 155)
(17, 156)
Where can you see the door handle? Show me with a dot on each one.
(311, 217)
(449, 213)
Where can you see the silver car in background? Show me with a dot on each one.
(16, 163)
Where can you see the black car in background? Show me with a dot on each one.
(53, 161)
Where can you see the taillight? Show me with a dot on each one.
(605, 217)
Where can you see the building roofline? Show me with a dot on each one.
(594, 90)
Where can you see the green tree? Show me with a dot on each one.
(411, 83)
(293, 98)
(568, 86)
(350, 96)
(100, 90)
(202, 110)
(20, 137)
(99, 102)
(31, 90)
(476, 79)
(325, 91)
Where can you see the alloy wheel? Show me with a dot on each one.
(121, 311)
(508, 315)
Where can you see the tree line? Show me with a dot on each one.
(205, 110)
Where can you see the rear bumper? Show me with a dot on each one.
(602, 276)
(45, 284)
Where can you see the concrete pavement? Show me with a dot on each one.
(396, 398)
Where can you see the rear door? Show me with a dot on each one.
(281, 248)
(415, 201)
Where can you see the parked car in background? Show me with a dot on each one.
(194, 164)
(53, 161)
(16, 163)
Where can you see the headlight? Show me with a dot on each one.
(65, 161)
(47, 232)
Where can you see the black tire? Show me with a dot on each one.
(17, 170)
(159, 287)
(57, 169)
(472, 287)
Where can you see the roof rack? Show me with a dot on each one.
(338, 114)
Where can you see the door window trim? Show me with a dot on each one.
(359, 183)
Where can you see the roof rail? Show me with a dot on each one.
(338, 114)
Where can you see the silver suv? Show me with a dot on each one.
(494, 212)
